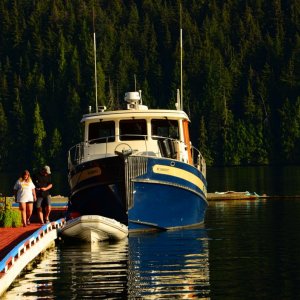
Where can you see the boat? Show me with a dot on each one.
(136, 166)
(94, 228)
(233, 195)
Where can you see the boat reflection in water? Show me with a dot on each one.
(172, 264)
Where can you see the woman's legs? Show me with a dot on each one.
(22, 207)
(29, 208)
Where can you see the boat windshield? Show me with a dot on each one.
(101, 132)
(135, 129)
(164, 128)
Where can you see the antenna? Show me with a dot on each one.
(134, 82)
(177, 104)
(181, 82)
(95, 62)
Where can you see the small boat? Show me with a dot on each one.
(93, 228)
(137, 167)
(232, 195)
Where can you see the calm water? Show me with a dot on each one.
(165, 265)
(279, 180)
(246, 250)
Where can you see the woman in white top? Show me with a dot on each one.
(24, 191)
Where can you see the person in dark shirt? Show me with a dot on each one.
(43, 184)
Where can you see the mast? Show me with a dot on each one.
(95, 63)
(135, 82)
(181, 81)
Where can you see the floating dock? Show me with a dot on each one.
(19, 246)
(232, 195)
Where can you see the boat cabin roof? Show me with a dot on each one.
(131, 114)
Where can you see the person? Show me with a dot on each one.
(24, 192)
(43, 184)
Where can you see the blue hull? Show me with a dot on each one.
(170, 195)
(166, 207)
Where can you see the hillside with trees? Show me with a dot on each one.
(241, 64)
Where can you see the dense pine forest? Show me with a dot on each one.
(241, 73)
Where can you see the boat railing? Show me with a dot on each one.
(139, 145)
(75, 155)
(199, 160)
(79, 152)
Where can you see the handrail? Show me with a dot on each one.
(76, 153)
(199, 160)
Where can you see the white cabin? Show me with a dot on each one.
(139, 131)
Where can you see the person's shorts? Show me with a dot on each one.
(46, 201)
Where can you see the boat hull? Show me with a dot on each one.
(145, 193)
(97, 188)
(94, 228)
(170, 195)
(165, 207)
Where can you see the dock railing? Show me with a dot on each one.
(16, 260)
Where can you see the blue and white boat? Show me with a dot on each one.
(138, 167)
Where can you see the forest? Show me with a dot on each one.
(241, 73)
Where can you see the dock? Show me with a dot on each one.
(19, 246)
(232, 195)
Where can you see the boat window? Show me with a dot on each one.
(133, 129)
(102, 132)
(164, 128)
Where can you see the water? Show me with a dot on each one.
(274, 180)
(166, 265)
(254, 249)
(247, 249)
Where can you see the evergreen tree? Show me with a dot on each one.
(56, 153)
(240, 70)
(290, 130)
(203, 142)
(39, 135)
(4, 140)
(18, 157)
(72, 128)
